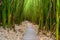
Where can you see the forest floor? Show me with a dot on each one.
(18, 32)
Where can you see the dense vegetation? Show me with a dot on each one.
(45, 13)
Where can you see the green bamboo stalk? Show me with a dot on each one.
(4, 14)
(47, 14)
(51, 16)
(0, 13)
(17, 11)
(9, 13)
(12, 12)
(40, 15)
(20, 8)
(57, 20)
(50, 20)
(57, 26)
(13, 9)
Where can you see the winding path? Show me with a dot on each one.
(30, 34)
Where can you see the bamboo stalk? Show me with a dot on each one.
(9, 14)
(4, 13)
(57, 20)
(21, 7)
(0, 13)
(57, 26)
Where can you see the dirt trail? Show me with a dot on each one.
(30, 33)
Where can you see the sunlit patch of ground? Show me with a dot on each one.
(20, 30)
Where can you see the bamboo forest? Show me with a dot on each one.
(15, 15)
